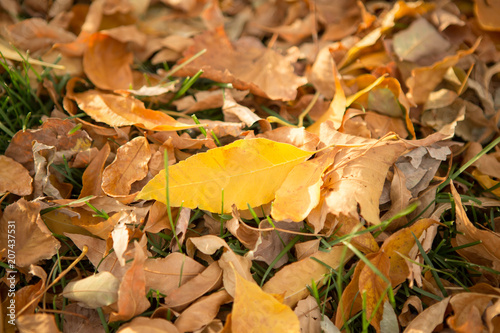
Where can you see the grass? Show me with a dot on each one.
(22, 107)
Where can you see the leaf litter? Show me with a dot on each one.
(234, 166)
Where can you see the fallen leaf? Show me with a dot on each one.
(263, 71)
(53, 132)
(419, 40)
(292, 279)
(151, 325)
(430, 318)
(256, 311)
(94, 291)
(92, 176)
(423, 80)
(487, 14)
(130, 165)
(484, 253)
(132, 299)
(300, 191)
(84, 320)
(375, 287)
(9, 169)
(116, 110)
(106, 62)
(30, 292)
(259, 166)
(208, 280)
(309, 314)
(33, 241)
(202, 312)
(40, 322)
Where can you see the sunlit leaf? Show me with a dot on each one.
(247, 171)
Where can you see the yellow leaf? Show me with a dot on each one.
(248, 171)
(485, 181)
(257, 311)
(300, 191)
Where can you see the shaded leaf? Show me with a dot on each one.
(130, 165)
(202, 312)
(14, 177)
(249, 172)
(40, 322)
(33, 241)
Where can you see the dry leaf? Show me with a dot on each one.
(116, 110)
(14, 177)
(132, 299)
(151, 325)
(309, 315)
(248, 171)
(208, 280)
(34, 323)
(130, 165)
(292, 279)
(106, 62)
(429, 319)
(300, 192)
(33, 241)
(202, 312)
(92, 176)
(256, 311)
(94, 291)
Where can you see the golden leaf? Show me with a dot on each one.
(248, 171)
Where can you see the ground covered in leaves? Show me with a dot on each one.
(249, 166)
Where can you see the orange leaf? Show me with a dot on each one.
(107, 61)
(116, 110)
(92, 176)
(374, 287)
(257, 311)
(150, 325)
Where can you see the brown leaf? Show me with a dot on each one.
(106, 62)
(485, 253)
(208, 280)
(130, 165)
(33, 241)
(265, 72)
(292, 279)
(309, 315)
(92, 176)
(151, 325)
(202, 312)
(85, 320)
(37, 36)
(14, 177)
(132, 299)
(357, 178)
(429, 319)
(468, 310)
(53, 132)
(28, 293)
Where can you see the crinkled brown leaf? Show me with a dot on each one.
(130, 165)
(33, 241)
(14, 177)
